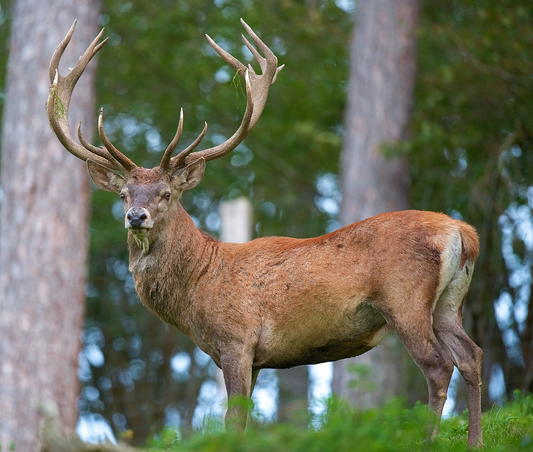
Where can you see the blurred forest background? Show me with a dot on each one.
(470, 155)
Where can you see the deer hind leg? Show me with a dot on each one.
(465, 354)
(418, 337)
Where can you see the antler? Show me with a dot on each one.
(257, 87)
(58, 104)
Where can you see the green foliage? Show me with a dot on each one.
(361, 377)
(392, 428)
(473, 90)
(505, 428)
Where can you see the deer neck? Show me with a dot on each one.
(166, 277)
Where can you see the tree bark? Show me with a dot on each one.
(382, 74)
(43, 236)
(293, 387)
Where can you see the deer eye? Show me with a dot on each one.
(122, 196)
(167, 196)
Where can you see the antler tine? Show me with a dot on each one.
(59, 97)
(257, 86)
(124, 161)
(58, 53)
(262, 46)
(258, 57)
(102, 152)
(170, 148)
(180, 158)
(230, 59)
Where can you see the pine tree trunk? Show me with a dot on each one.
(43, 236)
(293, 385)
(382, 74)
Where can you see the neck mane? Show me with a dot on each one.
(179, 256)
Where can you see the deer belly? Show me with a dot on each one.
(315, 342)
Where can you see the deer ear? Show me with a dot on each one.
(104, 178)
(190, 176)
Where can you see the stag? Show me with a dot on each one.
(278, 302)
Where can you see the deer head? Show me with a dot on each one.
(150, 193)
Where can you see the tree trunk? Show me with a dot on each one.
(43, 237)
(293, 387)
(382, 74)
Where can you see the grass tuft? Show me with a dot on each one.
(393, 428)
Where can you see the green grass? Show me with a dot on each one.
(343, 429)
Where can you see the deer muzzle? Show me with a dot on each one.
(138, 220)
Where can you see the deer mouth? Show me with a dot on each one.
(139, 231)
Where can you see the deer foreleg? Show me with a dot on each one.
(238, 378)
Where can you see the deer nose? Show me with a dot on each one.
(136, 217)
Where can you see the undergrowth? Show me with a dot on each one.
(344, 429)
